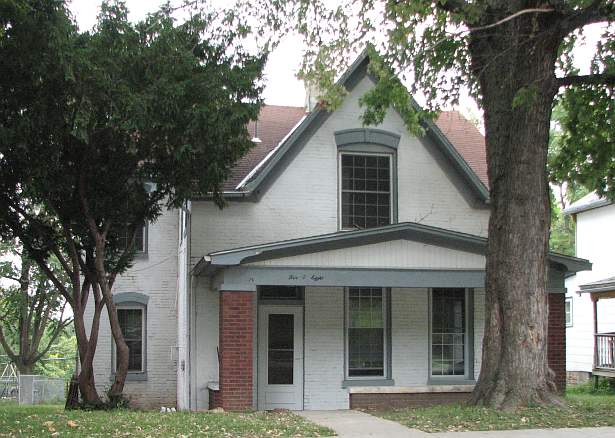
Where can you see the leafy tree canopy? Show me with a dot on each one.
(100, 130)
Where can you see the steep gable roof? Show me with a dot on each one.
(273, 124)
(459, 140)
(467, 139)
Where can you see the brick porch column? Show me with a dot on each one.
(235, 349)
(556, 343)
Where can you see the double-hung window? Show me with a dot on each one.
(568, 311)
(449, 331)
(366, 332)
(132, 323)
(140, 240)
(366, 189)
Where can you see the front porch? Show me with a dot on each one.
(604, 343)
(370, 318)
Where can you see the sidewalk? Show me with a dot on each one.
(356, 424)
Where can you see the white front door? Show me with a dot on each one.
(280, 357)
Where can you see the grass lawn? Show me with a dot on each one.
(36, 421)
(582, 409)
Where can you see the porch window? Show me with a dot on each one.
(448, 332)
(132, 325)
(568, 311)
(366, 332)
(365, 190)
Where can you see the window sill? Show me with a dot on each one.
(367, 382)
(134, 376)
(450, 381)
(424, 389)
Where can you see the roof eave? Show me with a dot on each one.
(408, 230)
(585, 207)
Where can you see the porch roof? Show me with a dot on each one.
(411, 231)
(604, 285)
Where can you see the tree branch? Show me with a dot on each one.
(598, 11)
(591, 79)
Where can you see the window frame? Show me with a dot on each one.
(142, 251)
(386, 315)
(468, 339)
(357, 151)
(568, 300)
(133, 374)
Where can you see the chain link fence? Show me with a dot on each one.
(30, 389)
(41, 390)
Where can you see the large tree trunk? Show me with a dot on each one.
(514, 64)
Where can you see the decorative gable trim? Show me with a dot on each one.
(407, 230)
(380, 137)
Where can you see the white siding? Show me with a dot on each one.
(324, 349)
(479, 328)
(156, 276)
(183, 314)
(410, 336)
(205, 340)
(595, 242)
(392, 254)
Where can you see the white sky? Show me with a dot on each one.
(282, 86)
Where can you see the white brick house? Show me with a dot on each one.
(346, 270)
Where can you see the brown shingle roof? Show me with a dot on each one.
(275, 122)
(467, 139)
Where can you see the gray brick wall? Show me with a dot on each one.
(155, 275)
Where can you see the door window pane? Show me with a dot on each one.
(280, 351)
(365, 332)
(448, 327)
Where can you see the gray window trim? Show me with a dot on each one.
(367, 136)
(566, 301)
(141, 304)
(281, 302)
(468, 376)
(130, 297)
(370, 380)
(367, 150)
(142, 253)
(347, 383)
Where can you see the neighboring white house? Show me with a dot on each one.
(347, 270)
(595, 241)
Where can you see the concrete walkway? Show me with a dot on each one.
(356, 424)
(586, 432)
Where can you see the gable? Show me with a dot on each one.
(458, 140)
(394, 254)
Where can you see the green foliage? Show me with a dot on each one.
(32, 309)
(586, 146)
(60, 360)
(107, 127)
